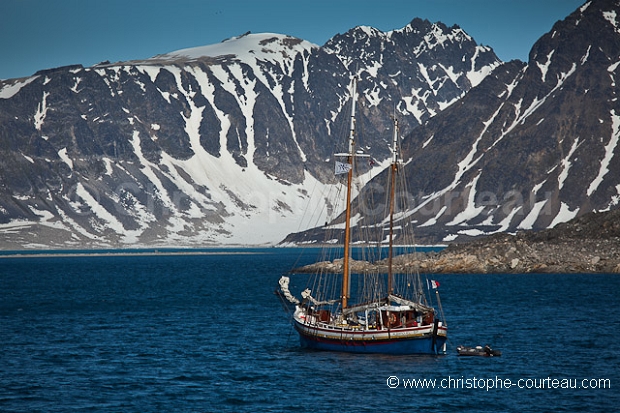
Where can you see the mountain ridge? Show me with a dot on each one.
(237, 149)
(533, 145)
(200, 150)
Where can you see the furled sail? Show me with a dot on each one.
(415, 306)
(305, 294)
(284, 281)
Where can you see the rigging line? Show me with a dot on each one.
(342, 119)
(372, 230)
(305, 211)
(315, 217)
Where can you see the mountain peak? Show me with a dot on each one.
(588, 28)
(261, 46)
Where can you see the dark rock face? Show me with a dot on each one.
(588, 244)
(532, 146)
(210, 148)
(537, 143)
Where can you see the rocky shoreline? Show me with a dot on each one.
(589, 244)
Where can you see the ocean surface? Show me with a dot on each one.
(205, 333)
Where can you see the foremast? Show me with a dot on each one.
(350, 158)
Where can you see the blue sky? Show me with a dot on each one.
(41, 34)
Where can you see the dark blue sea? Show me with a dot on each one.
(205, 333)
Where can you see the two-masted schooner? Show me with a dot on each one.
(389, 311)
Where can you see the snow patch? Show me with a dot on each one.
(108, 166)
(544, 67)
(477, 76)
(615, 199)
(10, 90)
(373, 97)
(584, 7)
(564, 215)
(41, 112)
(65, 158)
(473, 232)
(470, 210)
(585, 57)
(270, 47)
(426, 142)
(611, 16)
(433, 220)
(609, 153)
(75, 87)
(566, 164)
(505, 223)
(531, 218)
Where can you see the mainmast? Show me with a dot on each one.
(393, 169)
(341, 168)
(346, 270)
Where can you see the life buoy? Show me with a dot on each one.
(392, 319)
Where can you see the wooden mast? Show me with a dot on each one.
(392, 195)
(346, 271)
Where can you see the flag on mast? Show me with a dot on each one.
(434, 284)
(342, 168)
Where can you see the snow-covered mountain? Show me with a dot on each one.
(533, 145)
(222, 144)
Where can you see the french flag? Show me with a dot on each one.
(434, 284)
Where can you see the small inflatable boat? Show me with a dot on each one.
(485, 351)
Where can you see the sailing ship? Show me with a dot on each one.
(390, 311)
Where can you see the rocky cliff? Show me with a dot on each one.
(588, 244)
